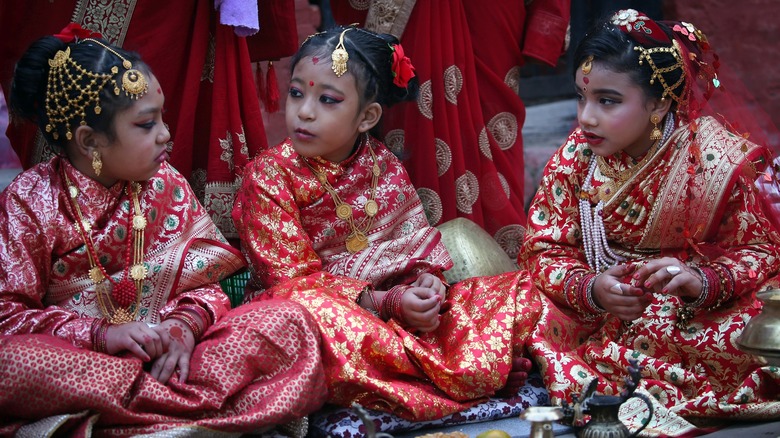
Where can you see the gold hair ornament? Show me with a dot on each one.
(587, 65)
(67, 99)
(340, 55)
(659, 72)
(134, 82)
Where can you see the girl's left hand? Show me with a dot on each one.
(181, 342)
(669, 275)
(432, 282)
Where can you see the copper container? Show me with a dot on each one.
(473, 251)
(761, 336)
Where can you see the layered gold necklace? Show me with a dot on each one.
(126, 293)
(357, 240)
(620, 177)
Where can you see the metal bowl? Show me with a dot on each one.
(761, 336)
(473, 251)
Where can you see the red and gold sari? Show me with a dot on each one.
(696, 375)
(462, 140)
(255, 367)
(296, 247)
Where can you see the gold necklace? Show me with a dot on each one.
(620, 177)
(126, 293)
(357, 240)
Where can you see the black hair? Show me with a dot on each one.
(27, 97)
(614, 50)
(370, 61)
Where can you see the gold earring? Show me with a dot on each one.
(97, 165)
(656, 134)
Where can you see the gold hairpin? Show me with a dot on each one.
(587, 65)
(134, 82)
(340, 55)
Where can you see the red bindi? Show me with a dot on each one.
(159, 91)
(586, 80)
(311, 83)
(315, 60)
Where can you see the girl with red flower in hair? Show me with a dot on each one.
(330, 219)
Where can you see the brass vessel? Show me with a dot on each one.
(541, 419)
(473, 251)
(761, 336)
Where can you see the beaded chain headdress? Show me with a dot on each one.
(691, 51)
(71, 88)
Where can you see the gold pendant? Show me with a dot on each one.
(371, 207)
(96, 275)
(607, 190)
(356, 242)
(138, 272)
(120, 316)
(344, 211)
(139, 222)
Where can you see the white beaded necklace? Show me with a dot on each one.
(594, 237)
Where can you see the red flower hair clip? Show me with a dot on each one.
(74, 31)
(403, 70)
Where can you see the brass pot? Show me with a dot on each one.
(761, 336)
(473, 251)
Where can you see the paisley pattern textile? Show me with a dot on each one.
(296, 243)
(344, 422)
(48, 306)
(257, 367)
(45, 284)
(696, 375)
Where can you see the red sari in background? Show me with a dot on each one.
(255, 367)
(212, 108)
(462, 142)
(695, 375)
(296, 247)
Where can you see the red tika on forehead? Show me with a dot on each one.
(585, 79)
(315, 60)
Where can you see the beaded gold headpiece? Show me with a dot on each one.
(658, 73)
(646, 32)
(67, 98)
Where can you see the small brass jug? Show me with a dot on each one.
(604, 409)
(761, 336)
(604, 421)
(541, 418)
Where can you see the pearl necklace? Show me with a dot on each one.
(357, 240)
(125, 294)
(594, 236)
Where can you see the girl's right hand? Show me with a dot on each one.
(420, 307)
(617, 296)
(137, 338)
